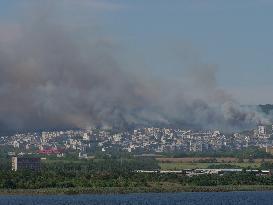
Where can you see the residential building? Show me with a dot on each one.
(26, 163)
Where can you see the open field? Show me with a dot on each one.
(79, 161)
(205, 162)
(217, 159)
(194, 165)
(182, 163)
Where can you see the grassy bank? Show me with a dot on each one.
(153, 188)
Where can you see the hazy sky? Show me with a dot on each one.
(163, 36)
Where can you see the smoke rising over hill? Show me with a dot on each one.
(50, 78)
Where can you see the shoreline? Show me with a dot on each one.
(133, 190)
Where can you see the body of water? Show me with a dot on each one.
(228, 198)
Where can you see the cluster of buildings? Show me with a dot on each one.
(139, 141)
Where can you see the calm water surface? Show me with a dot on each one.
(243, 198)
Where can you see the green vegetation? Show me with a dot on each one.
(162, 187)
(185, 165)
(228, 166)
(78, 173)
(116, 173)
(110, 174)
(73, 182)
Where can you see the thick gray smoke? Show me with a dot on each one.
(53, 76)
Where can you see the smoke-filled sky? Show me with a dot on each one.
(81, 63)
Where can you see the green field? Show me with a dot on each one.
(193, 165)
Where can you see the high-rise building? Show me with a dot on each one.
(26, 163)
(44, 136)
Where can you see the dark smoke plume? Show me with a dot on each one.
(52, 75)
